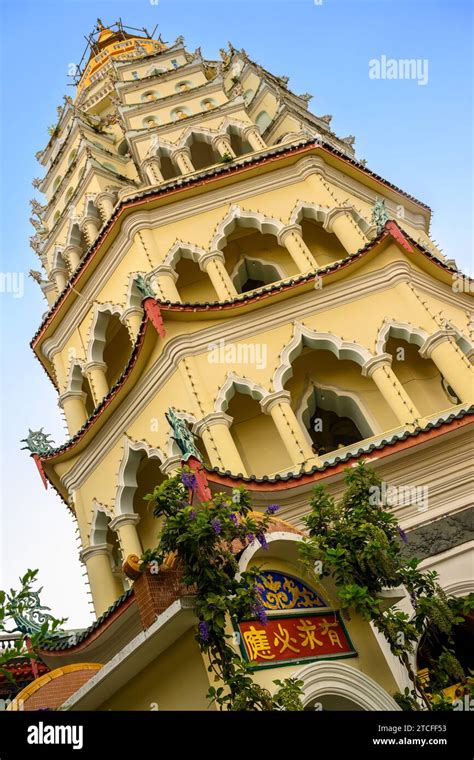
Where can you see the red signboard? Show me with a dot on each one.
(295, 638)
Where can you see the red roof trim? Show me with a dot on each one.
(391, 230)
(388, 449)
(234, 170)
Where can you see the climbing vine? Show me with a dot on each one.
(358, 542)
(206, 538)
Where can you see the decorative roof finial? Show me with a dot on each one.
(37, 442)
(100, 25)
(30, 616)
(379, 215)
(36, 276)
(183, 437)
(144, 287)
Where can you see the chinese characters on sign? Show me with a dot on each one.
(303, 637)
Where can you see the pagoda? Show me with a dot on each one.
(214, 255)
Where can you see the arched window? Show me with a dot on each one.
(202, 152)
(254, 259)
(168, 167)
(57, 216)
(252, 274)
(69, 194)
(251, 431)
(323, 244)
(111, 344)
(102, 534)
(420, 377)
(71, 157)
(56, 183)
(88, 401)
(117, 349)
(240, 146)
(335, 404)
(193, 284)
(263, 120)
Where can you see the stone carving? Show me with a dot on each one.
(441, 535)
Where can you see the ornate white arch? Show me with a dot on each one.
(285, 546)
(235, 383)
(307, 210)
(465, 344)
(263, 262)
(101, 516)
(191, 131)
(127, 475)
(74, 375)
(401, 330)
(96, 343)
(58, 260)
(305, 336)
(134, 297)
(338, 210)
(238, 217)
(344, 403)
(159, 143)
(325, 678)
(74, 221)
(324, 214)
(180, 249)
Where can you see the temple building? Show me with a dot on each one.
(208, 245)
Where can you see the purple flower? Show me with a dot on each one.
(263, 541)
(203, 629)
(216, 525)
(402, 535)
(233, 518)
(259, 611)
(192, 514)
(188, 480)
(250, 537)
(270, 510)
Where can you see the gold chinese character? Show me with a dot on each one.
(308, 634)
(332, 635)
(284, 638)
(257, 644)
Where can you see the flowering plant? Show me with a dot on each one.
(358, 542)
(208, 538)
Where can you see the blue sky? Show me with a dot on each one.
(419, 137)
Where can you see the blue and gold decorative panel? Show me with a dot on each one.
(283, 592)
